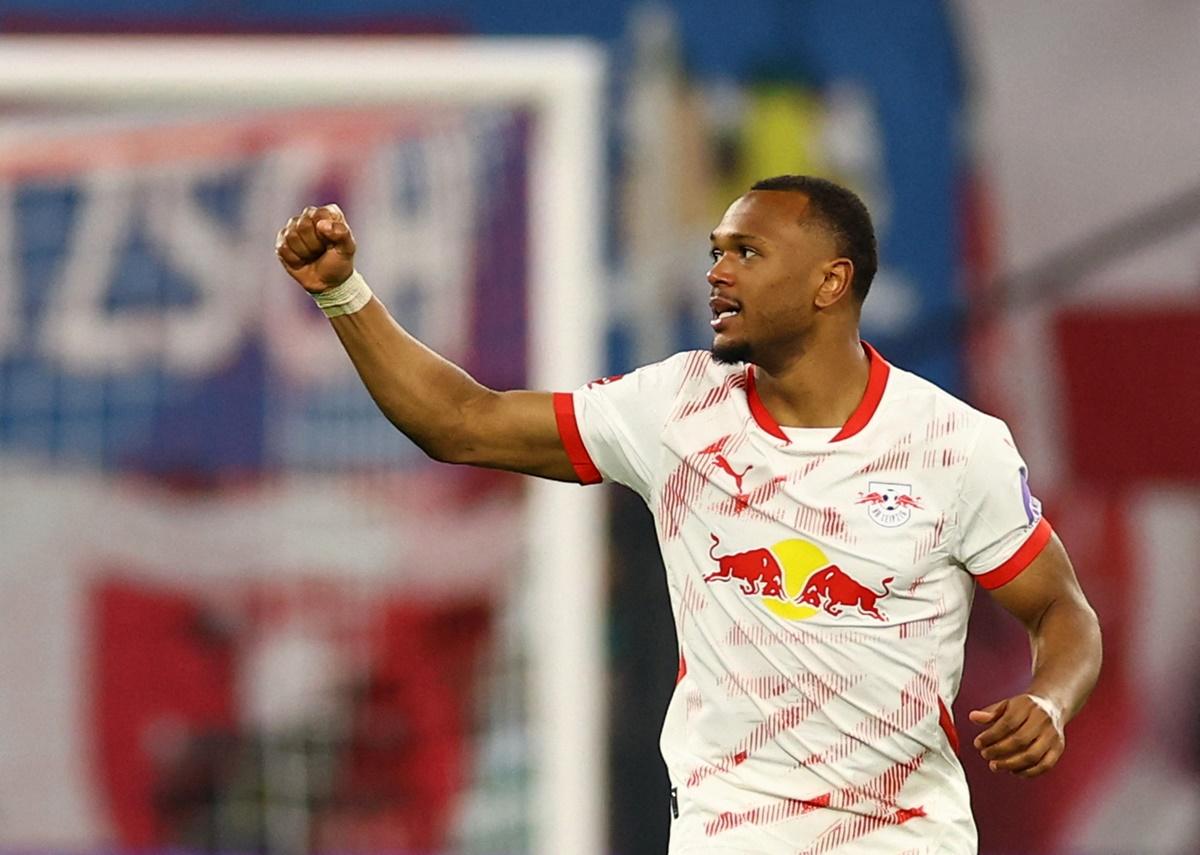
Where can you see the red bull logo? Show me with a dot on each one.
(796, 580)
(756, 570)
(832, 590)
(889, 505)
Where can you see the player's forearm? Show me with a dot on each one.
(1066, 655)
(437, 404)
(424, 395)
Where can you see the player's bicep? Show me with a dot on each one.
(1048, 579)
(517, 431)
(609, 430)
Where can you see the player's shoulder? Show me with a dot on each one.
(699, 366)
(673, 375)
(937, 413)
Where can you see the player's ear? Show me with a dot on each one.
(836, 284)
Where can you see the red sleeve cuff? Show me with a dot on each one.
(568, 432)
(1021, 559)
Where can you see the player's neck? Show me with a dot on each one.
(820, 387)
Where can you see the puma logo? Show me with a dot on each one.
(741, 499)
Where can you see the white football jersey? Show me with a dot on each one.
(821, 581)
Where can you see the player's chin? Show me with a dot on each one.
(730, 351)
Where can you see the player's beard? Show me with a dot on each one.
(731, 354)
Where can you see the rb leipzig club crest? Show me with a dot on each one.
(889, 505)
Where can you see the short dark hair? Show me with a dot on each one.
(841, 212)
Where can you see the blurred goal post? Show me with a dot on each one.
(560, 83)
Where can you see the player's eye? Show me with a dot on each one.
(743, 252)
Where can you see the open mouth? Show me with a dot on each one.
(722, 310)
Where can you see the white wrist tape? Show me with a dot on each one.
(1051, 709)
(345, 299)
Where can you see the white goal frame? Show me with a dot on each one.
(561, 82)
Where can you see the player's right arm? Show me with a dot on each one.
(435, 403)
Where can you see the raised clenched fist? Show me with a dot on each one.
(317, 248)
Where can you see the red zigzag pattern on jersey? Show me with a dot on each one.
(817, 693)
(927, 542)
(763, 493)
(918, 700)
(933, 458)
(896, 457)
(882, 789)
(734, 506)
(692, 600)
(714, 396)
(946, 425)
(758, 685)
(697, 362)
(762, 686)
(827, 522)
(765, 814)
(684, 485)
(762, 636)
(924, 626)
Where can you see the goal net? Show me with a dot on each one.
(238, 610)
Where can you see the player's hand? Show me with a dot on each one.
(317, 248)
(1022, 735)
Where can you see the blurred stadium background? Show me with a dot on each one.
(239, 613)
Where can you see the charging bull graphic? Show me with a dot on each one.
(756, 569)
(831, 588)
(795, 579)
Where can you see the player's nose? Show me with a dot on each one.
(719, 274)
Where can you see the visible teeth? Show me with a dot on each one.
(728, 313)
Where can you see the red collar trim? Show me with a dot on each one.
(765, 420)
(876, 382)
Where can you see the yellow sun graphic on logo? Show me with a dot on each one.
(799, 560)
